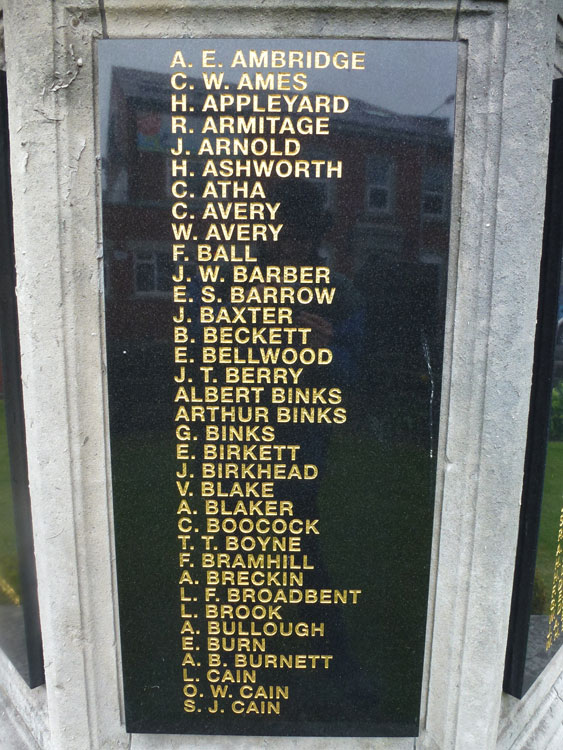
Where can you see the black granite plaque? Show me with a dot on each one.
(20, 630)
(536, 620)
(276, 230)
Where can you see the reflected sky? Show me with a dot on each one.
(407, 77)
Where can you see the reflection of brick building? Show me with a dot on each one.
(399, 190)
(391, 205)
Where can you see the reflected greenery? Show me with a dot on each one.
(547, 543)
(552, 502)
(556, 416)
(9, 575)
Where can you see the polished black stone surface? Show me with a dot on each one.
(20, 631)
(536, 619)
(368, 215)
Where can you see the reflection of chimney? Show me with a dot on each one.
(448, 100)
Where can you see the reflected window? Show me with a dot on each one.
(325, 186)
(153, 271)
(380, 184)
(434, 192)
